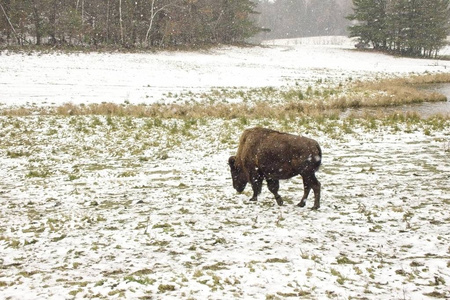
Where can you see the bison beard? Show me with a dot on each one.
(273, 156)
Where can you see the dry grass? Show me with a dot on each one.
(379, 93)
(397, 91)
(181, 111)
(427, 79)
(383, 97)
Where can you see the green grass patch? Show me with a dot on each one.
(143, 280)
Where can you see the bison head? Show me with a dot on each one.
(238, 176)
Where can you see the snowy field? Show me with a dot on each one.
(147, 78)
(138, 208)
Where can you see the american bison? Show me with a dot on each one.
(272, 155)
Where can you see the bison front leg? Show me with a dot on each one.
(256, 183)
(274, 186)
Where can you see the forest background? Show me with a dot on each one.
(166, 23)
(412, 28)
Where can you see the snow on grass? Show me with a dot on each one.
(110, 207)
(54, 79)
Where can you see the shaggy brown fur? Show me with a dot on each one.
(272, 155)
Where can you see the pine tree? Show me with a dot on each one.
(236, 24)
(370, 27)
(434, 26)
(407, 27)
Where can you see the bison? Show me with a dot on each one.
(273, 155)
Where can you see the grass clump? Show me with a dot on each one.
(143, 280)
(257, 103)
(163, 288)
(39, 173)
(340, 278)
(344, 260)
(17, 154)
(216, 267)
(277, 260)
(436, 294)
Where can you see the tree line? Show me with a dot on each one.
(405, 27)
(127, 23)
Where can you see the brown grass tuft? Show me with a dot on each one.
(380, 93)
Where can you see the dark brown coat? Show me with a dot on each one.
(272, 155)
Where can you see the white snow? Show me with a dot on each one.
(106, 208)
(46, 79)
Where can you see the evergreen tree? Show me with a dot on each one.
(236, 24)
(407, 27)
(371, 22)
(429, 27)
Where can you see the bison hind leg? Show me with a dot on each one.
(274, 186)
(310, 182)
(306, 189)
(316, 188)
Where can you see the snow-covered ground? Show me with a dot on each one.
(106, 207)
(146, 78)
(119, 207)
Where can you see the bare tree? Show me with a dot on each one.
(154, 11)
(120, 21)
(37, 23)
(10, 24)
(131, 23)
